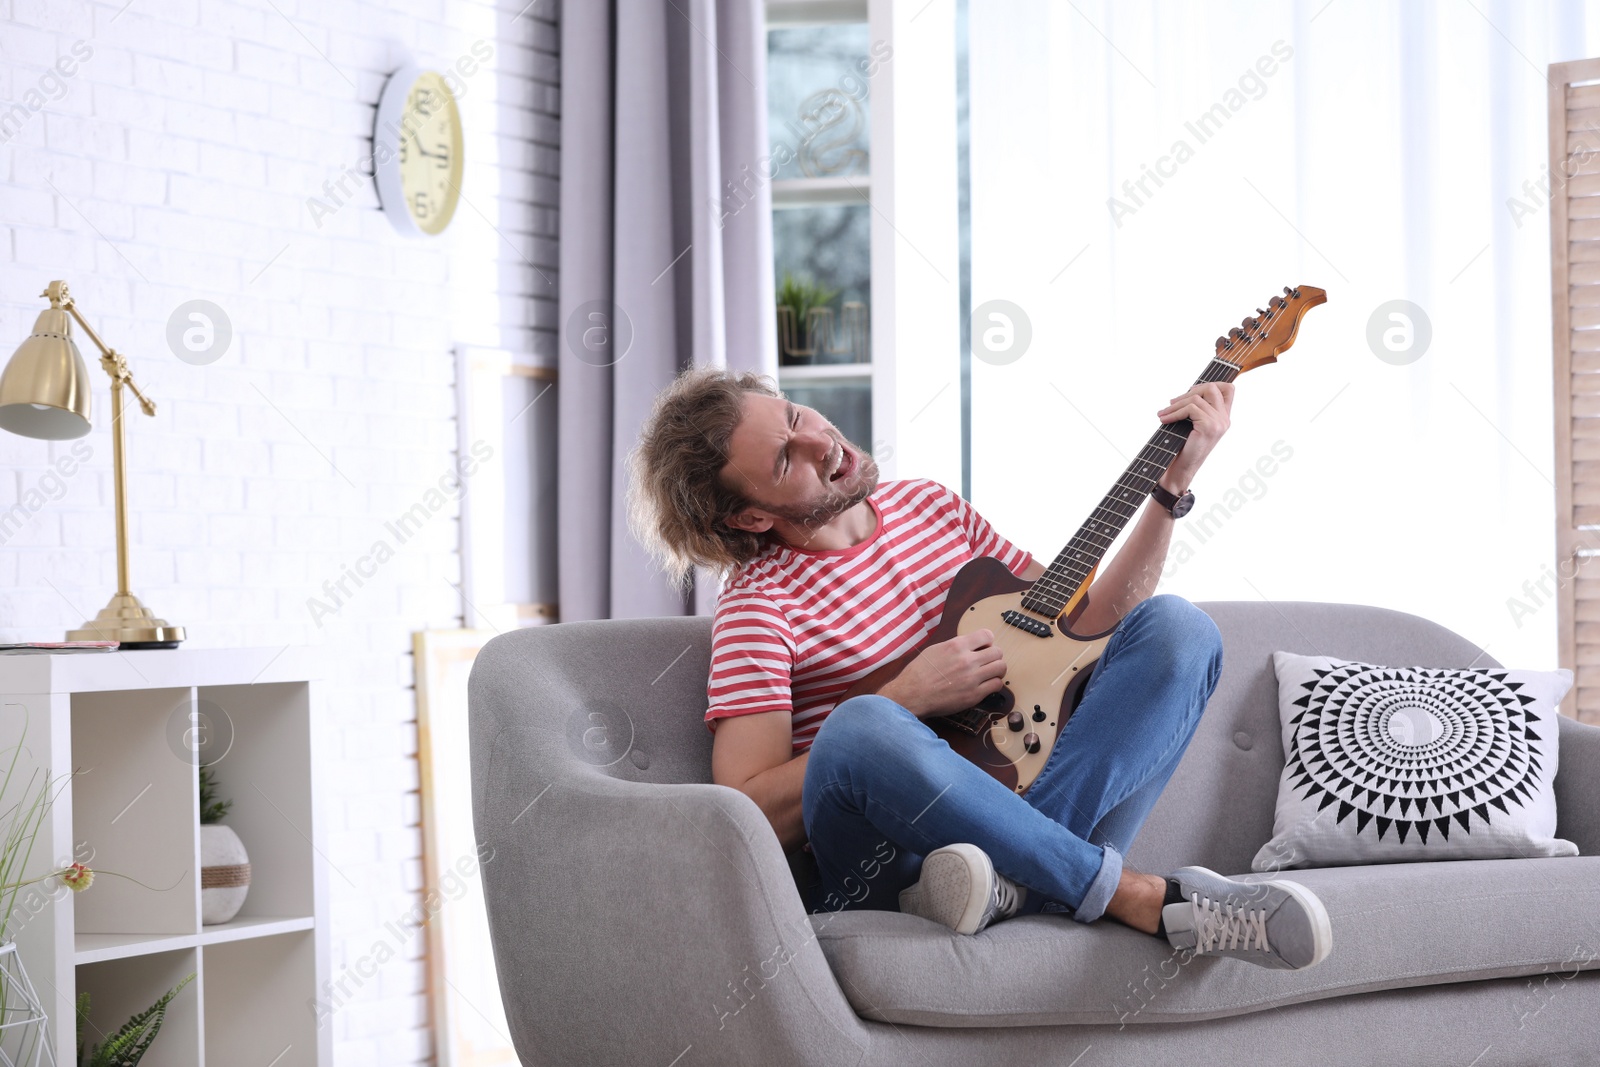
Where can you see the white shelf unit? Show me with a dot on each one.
(136, 726)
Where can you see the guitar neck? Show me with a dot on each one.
(1050, 594)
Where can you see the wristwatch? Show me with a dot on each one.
(1178, 506)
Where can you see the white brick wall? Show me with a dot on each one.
(176, 163)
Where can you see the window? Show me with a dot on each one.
(870, 245)
(819, 65)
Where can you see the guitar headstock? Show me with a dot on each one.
(1259, 340)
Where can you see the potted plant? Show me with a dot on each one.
(224, 864)
(800, 303)
(127, 1046)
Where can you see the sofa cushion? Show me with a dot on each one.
(1394, 925)
(1369, 747)
(1198, 819)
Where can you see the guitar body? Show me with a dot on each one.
(1045, 675)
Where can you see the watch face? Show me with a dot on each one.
(1181, 506)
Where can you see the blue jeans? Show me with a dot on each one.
(882, 790)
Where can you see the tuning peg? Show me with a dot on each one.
(1223, 342)
(1275, 303)
(1236, 333)
(1263, 312)
(1288, 291)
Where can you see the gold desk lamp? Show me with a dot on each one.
(44, 393)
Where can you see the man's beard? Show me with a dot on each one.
(837, 501)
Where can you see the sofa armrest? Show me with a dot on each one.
(631, 921)
(1577, 785)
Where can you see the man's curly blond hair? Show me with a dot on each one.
(678, 505)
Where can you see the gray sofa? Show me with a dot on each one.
(641, 915)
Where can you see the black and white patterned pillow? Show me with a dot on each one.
(1397, 764)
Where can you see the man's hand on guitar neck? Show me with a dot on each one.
(1133, 573)
(1208, 406)
(949, 676)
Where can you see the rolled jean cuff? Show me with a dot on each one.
(1104, 885)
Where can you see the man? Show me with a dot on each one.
(830, 575)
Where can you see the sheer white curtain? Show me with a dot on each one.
(1377, 150)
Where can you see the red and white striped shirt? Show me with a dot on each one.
(794, 628)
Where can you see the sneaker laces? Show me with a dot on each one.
(1221, 924)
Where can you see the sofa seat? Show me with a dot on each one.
(1394, 925)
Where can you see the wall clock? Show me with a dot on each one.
(416, 152)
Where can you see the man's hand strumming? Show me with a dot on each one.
(950, 676)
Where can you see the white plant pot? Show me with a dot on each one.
(224, 873)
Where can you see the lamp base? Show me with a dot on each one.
(128, 621)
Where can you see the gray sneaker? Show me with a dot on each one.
(1276, 923)
(959, 888)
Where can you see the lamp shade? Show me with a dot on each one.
(44, 391)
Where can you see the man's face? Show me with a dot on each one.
(794, 466)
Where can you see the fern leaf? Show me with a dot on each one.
(128, 1045)
(83, 1017)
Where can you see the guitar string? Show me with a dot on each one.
(1099, 542)
(1006, 640)
(1010, 637)
(1069, 559)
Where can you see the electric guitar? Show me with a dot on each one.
(1011, 732)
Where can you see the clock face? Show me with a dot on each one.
(419, 173)
(430, 153)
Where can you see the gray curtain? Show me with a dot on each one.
(666, 257)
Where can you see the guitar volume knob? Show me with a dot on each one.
(1030, 741)
(1014, 720)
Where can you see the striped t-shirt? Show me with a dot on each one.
(795, 628)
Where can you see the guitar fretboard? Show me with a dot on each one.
(1050, 594)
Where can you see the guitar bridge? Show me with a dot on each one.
(1027, 623)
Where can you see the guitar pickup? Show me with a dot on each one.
(1027, 623)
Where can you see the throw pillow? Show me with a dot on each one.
(1397, 764)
